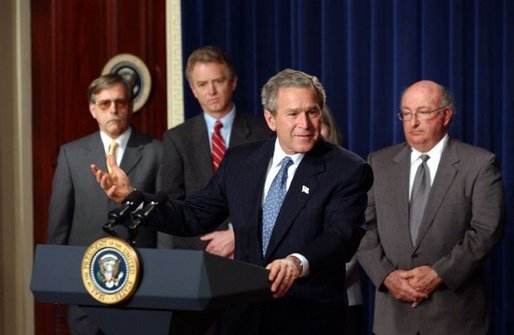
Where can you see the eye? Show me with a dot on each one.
(424, 113)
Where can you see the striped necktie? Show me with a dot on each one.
(218, 146)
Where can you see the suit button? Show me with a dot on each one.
(414, 254)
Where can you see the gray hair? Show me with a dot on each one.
(106, 81)
(290, 78)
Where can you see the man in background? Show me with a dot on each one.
(194, 149)
(434, 214)
(78, 209)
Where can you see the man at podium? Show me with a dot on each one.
(297, 205)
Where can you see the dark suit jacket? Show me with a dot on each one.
(320, 219)
(79, 207)
(187, 164)
(463, 221)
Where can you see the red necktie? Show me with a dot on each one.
(218, 146)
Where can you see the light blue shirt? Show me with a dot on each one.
(226, 130)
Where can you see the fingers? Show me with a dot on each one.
(283, 274)
(207, 237)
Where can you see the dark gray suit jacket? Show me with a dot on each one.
(320, 218)
(79, 207)
(187, 164)
(462, 223)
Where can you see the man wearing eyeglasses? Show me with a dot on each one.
(78, 209)
(434, 214)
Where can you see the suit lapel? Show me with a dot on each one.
(200, 148)
(95, 151)
(256, 169)
(303, 185)
(398, 184)
(240, 130)
(132, 153)
(444, 178)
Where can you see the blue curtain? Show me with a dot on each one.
(365, 52)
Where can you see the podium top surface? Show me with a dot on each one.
(170, 279)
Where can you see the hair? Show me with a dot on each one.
(330, 121)
(446, 98)
(290, 78)
(210, 54)
(106, 81)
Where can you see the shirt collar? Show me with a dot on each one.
(434, 153)
(122, 139)
(279, 154)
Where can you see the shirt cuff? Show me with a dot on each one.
(304, 264)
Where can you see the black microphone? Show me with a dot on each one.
(119, 215)
(142, 215)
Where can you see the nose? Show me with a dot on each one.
(304, 120)
(212, 89)
(414, 121)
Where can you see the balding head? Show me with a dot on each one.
(427, 109)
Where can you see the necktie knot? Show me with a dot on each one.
(286, 163)
(424, 158)
(217, 126)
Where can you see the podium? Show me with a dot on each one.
(171, 280)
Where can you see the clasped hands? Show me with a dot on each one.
(283, 272)
(414, 285)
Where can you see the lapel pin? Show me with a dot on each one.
(305, 189)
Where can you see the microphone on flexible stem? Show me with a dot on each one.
(119, 215)
(142, 215)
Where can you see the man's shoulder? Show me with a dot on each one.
(389, 151)
(138, 138)
(82, 142)
(187, 126)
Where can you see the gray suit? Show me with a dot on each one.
(462, 223)
(187, 163)
(78, 205)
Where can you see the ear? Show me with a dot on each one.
(192, 87)
(233, 83)
(448, 112)
(270, 120)
(92, 110)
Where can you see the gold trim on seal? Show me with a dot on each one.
(136, 73)
(123, 284)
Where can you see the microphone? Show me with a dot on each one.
(142, 215)
(119, 215)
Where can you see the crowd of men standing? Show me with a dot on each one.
(421, 216)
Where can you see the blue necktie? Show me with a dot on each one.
(273, 202)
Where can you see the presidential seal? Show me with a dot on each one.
(136, 73)
(110, 270)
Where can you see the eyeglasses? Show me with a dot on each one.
(106, 104)
(422, 115)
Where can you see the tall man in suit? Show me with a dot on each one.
(78, 209)
(427, 265)
(188, 160)
(304, 239)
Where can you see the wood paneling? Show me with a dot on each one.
(71, 43)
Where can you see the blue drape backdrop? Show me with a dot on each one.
(365, 52)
